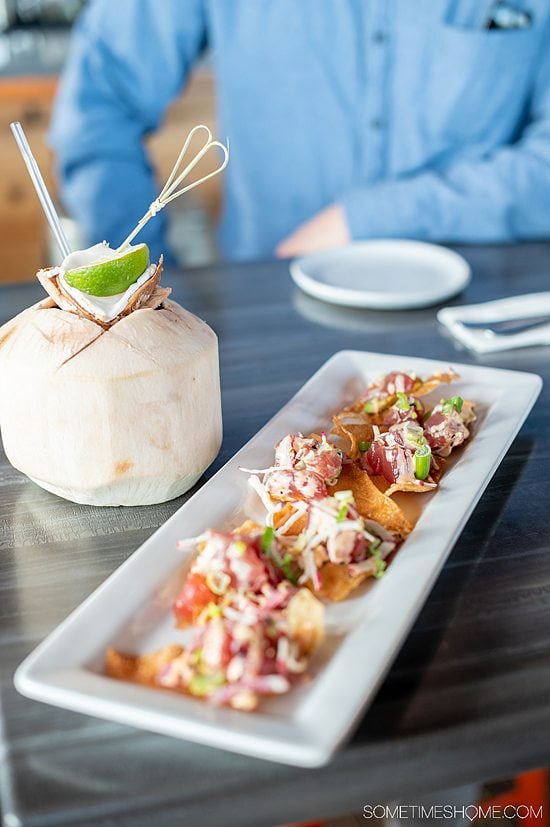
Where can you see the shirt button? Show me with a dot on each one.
(379, 36)
(377, 123)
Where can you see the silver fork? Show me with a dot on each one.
(509, 327)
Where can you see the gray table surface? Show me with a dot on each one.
(467, 698)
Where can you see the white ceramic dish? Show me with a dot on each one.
(384, 275)
(131, 610)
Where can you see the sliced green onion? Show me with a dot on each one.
(267, 538)
(218, 582)
(380, 569)
(196, 655)
(212, 611)
(413, 435)
(379, 564)
(402, 403)
(371, 406)
(239, 547)
(286, 564)
(364, 445)
(286, 568)
(422, 458)
(201, 685)
(344, 496)
(455, 403)
(342, 514)
(271, 629)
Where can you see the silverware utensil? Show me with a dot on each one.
(509, 327)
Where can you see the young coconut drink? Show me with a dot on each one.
(111, 392)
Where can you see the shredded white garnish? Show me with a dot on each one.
(261, 491)
(191, 542)
(262, 470)
(367, 566)
(353, 420)
(300, 509)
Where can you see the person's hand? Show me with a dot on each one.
(325, 230)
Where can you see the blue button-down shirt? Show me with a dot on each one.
(417, 117)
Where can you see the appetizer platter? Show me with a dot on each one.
(264, 614)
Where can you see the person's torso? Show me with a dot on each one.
(320, 96)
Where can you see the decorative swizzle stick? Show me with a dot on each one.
(170, 190)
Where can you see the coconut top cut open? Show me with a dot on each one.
(73, 288)
(104, 310)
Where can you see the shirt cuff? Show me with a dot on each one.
(389, 209)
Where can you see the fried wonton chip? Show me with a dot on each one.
(306, 621)
(140, 668)
(374, 418)
(371, 502)
(353, 429)
(437, 468)
(337, 582)
(420, 388)
(282, 516)
(468, 412)
(424, 388)
(417, 487)
(248, 527)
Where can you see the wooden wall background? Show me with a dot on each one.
(23, 229)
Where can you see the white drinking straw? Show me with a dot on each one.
(40, 187)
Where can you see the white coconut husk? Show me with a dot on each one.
(127, 414)
(124, 411)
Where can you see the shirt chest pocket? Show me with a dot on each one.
(477, 82)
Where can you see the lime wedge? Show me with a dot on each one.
(107, 277)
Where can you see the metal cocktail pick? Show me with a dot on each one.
(170, 190)
(40, 187)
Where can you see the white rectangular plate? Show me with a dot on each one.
(131, 610)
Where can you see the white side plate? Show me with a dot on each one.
(387, 275)
(131, 610)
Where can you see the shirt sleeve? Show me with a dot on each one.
(129, 59)
(502, 197)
